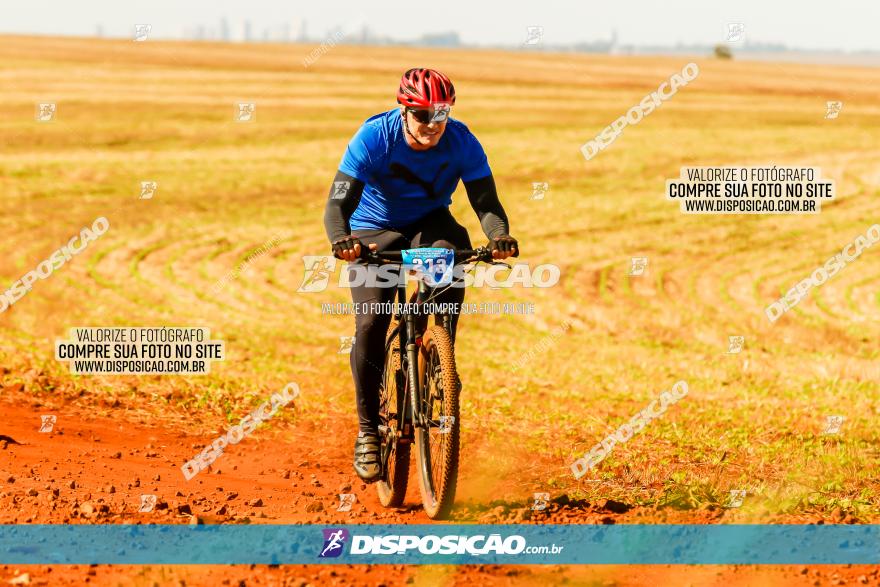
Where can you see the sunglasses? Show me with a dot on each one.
(426, 116)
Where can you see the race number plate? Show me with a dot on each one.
(433, 263)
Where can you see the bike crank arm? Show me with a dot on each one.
(391, 439)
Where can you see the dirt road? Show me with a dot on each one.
(93, 469)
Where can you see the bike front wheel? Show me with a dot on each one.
(392, 486)
(437, 436)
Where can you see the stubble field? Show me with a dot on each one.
(162, 111)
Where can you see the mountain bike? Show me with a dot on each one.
(419, 392)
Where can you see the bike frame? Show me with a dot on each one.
(409, 401)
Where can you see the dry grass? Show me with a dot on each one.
(129, 112)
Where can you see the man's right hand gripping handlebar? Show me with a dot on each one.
(349, 248)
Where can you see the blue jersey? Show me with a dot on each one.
(401, 184)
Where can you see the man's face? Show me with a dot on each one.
(428, 134)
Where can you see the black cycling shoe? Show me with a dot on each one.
(367, 463)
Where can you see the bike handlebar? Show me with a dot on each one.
(385, 257)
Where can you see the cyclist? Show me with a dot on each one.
(392, 191)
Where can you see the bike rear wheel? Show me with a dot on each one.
(438, 441)
(392, 486)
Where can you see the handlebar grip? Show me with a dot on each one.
(368, 254)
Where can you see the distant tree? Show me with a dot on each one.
(723, 52)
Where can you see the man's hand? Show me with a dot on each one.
(504, 246)
(349, 248)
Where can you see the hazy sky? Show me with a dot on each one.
(809, 24)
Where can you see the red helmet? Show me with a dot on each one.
(421, 87)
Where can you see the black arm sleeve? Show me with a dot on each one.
(345, 195)
(484, 200)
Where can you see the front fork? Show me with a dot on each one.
(415, 391)
(412, 373)
(445, 320)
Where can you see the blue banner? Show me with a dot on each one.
(524, 544)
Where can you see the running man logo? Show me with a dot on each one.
(142, 31)
(638, 265)
(539, 188)
(832, 109)
(735, 344)
(541, 501)
(346, 500)
(345, 345)
(340, 188)
(148, 190)
(47, 423)
(446, 424)
(246, 112)
(534, 35)
(317, 272)
(46, 112)
(334, 542)
(833, 424)
(735, 499)
(440, 111)
(148, 502)
(735, 32)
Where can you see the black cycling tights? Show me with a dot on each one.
(437, 229)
